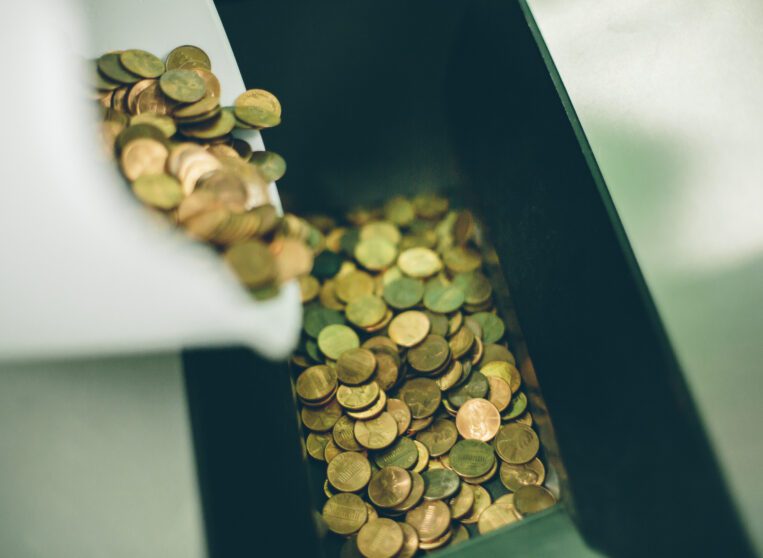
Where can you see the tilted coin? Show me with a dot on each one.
(481, 502)
(423, 458)
(461, 504)
(142, 63)
(110, 66)
(516, 407)
(345, 513)
(331, 451)
(419, 262)
(460, 259)
(478, 419)
(495, 517)
(380, 538)
(258, 108)
(431, 519)
(483, 478)
(252, 262)
(439, 542)
(516, 443)
(499, 393)
(353, 285)
(356, 366)
(439, 438)
(422, 396)
(316, 383)
(430, 355)
(451, 376)
(414, 496)
(270, 165)
(531, 499)
(389, 487)
(476, 387)
(377, 433)
(184, 86)
(349, 471)
(371, 412)
(316, 445)
(513, 477)
(410, 541)
(321, 419)
(335, 339)
(158, 190)
(357, 398)
(186, 57)
(401, 413)
(440, 484)
(344, 434)
(383, 229)
(409, 328)
(495, 352)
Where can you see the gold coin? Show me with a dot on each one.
(430, 355)
(270, 165)
(419, 262)
(478, 419)
(494, 517)
(423, 459)
(390, 486)
(410, 541)
(530, 499)
(377, 433)
(355, 366)
(514, 477)
(142, 63)
(401, 413)
(331, 451)
(316, 383)
(345, 513)
(380, 538)
(252, 262)
(414, 496)
(375, 253)
(366, 310)
(343, 434)
(211, 83)
(481, 502)
(258, 108)
(461, 504)
(321, 419)
(335, 339)
(431, 519)
(373, 411)
(439, 542)
(451, 376)
(183, 86)
(439, 437)
(143, 156)
(409, 328)
(422, 396)
(158, 190)
(500, 393)
(316, 445)
(516, 443)
(186, 57)
(353, 285)
(349, 471)
(357, 398)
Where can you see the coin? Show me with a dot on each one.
(439, 542)
(461, 504)
(357, 398)
(377, 433)
(499, 393)
(335, 339)
(514, 477)
(492, 326)
(321, 419)
(356, 366)
(158, 190)
(478, 419)
(258, 108)
(402, 453)
(141, 63)
(142, 157)
(349, 471)
(375, 253)
(481, 502)
(316, 445)
(460, 259)
(110, 66)
(431, 519)
(401, 413)
(344, 436)
(389, 486)
(345, 513)
(430, 355)
(409, 328)
(440, 484)
(443, 299)
(318, 317)
(495, 352)
(423, 458)
(476, 387)
(316, 383)
(494, 517)
(371, 412)
(414, 496)
(186, 57)
(404, 293)
(439, 438)
(483, 478)
(530, 499)
(253, 263)
(460, 534)
(184, 86)
(366, 310)
(516, 407)
(354, 285)
(422, 397)
(331, 451)
(380, 538)
(419, 262)
(516, 443)
(471, 458)
(410, 541)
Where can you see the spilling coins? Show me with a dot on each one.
(177, 146)
(408, 390)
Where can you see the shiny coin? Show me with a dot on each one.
(142, 63)
(494, 517)
(481, 502)
(409, 328)
(186, 57)
(461, 504)
(377, 433)
(142, 157)
(389, 487)
(422, 397)
(530, 499)
(371, 412)
(478, 419)
(380, 538)
(355, 366)
(258, 108)
(344, 435)
(440, 484)
(335, 339)
(401, 413)
(316, 383)
(431, 519)
(402, 453)
(419, 262)
(516, 443)
(354, 285)
(439, 438)
(184, 86)
(472, 458)
(430, 355)
(349, 471)
(345, 513)
(357, 398)
(514, 477)
(158, 190)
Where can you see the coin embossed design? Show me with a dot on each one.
(478, 419)
(531, 499)
(349, 471)
(376, 433)
(515, 476)
(389, 486)
(380, 538)
(516, 443)
(345, 513)
(431, 519)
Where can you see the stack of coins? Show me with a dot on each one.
(408, 389)
(175, 144)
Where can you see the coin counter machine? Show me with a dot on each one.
(378, 99)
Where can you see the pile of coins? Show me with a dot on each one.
(175, 144)
(408, 390)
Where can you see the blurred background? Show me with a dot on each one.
(668, 95)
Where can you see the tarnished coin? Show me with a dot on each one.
(530, 499)
(345, 513)
(439, 438)
(335, 339)
(371, 412)
(316, 445)
(493, 352)
(380, 538)
(366, 310)
(184, 86)
(440, 484)
(331, 451)
(258, 108)
(513, 477)
(354, 285)
(344, 434)
(270, 165)
(481, 502)
(461, 504)
(402, 453)
(357, 398)
(422, 397)
(516, 443)
(321, 419)
(423, 459)
(476, 387)
(460, 259)
(349, 471)
(142, 63)
(493, 327)
(478, 419)
(377, 433)
(451, 376)
(409, 328)
(516, 407)
(495, 517)
(431, 519)
(403, 293)
(430, 355)
(187, 57)
(316, 383)
(389, 487)
(472, 458)
(355, 366)
(401, 413)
